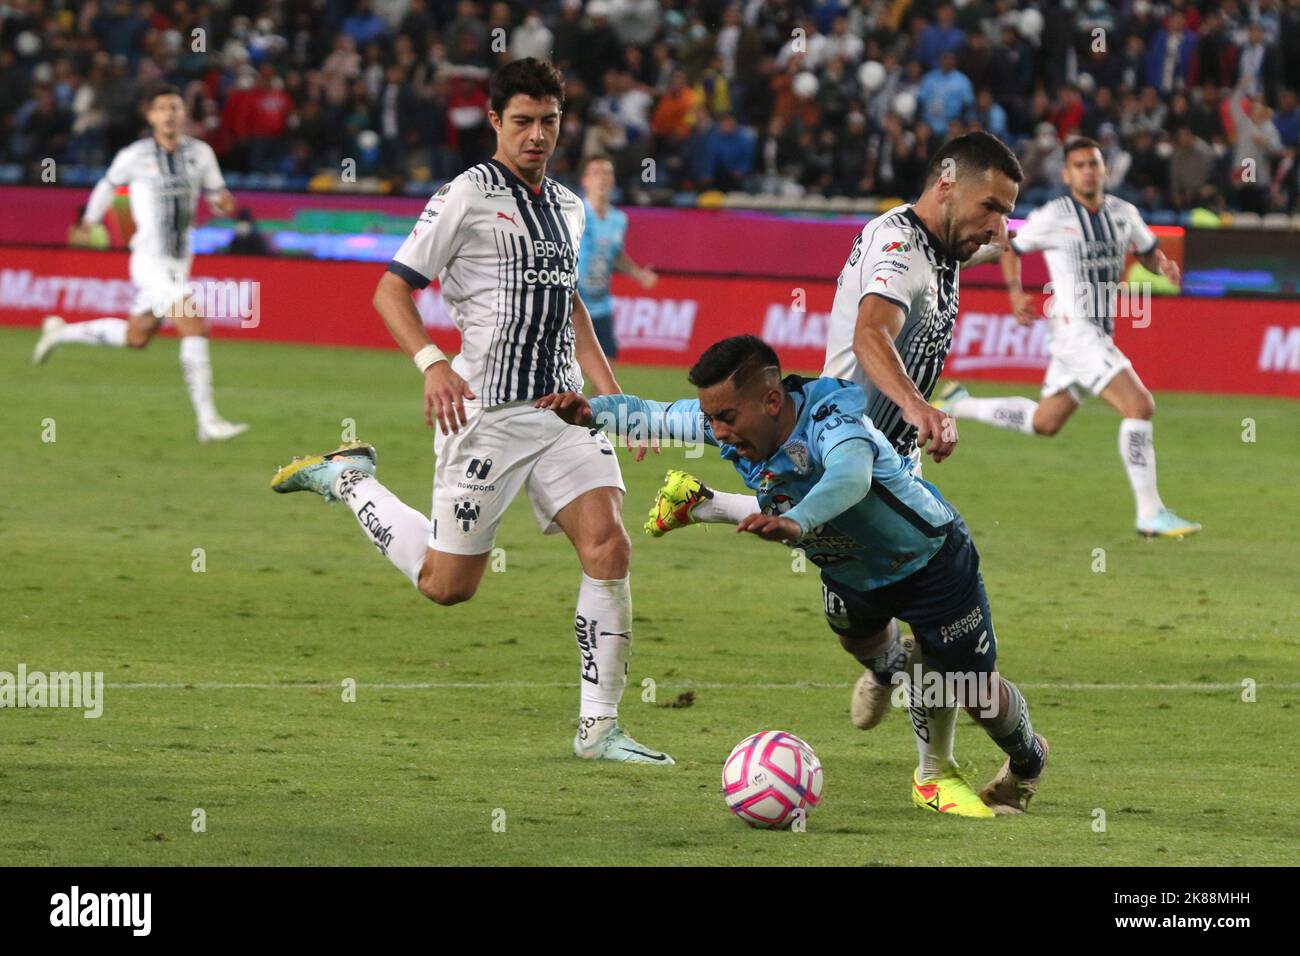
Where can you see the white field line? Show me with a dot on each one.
(689, 685)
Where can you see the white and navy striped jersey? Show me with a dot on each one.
(896, 258)
(507, 259)
(164, 191)
(1085, 254)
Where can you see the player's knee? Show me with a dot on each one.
(137, 339)
(445, 593)
(609, 557)
(1144, 407)
(1047, 427)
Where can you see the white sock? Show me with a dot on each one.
(1137, 448)
(399, 532)
(197, 367)
(105, 331)
(935, 729)
(1009, 411)
(726, 507)
(603, 627)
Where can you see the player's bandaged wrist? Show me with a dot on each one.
(428, 357)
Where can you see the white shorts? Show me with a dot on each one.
(159, 282)
(1084, 358)
(502, 449)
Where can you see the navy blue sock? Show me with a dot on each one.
(888, 661)
(1019, 744)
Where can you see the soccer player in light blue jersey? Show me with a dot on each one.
(601, 253)
(888, 545)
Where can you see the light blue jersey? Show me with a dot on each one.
(864, 542)
(602, 244)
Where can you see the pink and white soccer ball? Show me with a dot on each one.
(770, 778)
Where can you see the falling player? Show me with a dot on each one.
(602, 251)
(890, 329)
(889, 546)
(1085, 237)
(503, 240)
(165, 173)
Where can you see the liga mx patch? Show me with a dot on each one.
(897, 246)
(797, 452)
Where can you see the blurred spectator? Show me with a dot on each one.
(1066, 114)
(364, 25)
(635, 22)
(42, 129)
(733, 154)
(1190, 169)
(1103, 112)
(1115, 157)
(939, 38)
(989, 116)
(1216, 53)
(1042, 161)
(1169, 57)
(1255, 143)
(1149, 173)
(1259, 68)
(946, 94)
(675, 112)
(532, 38)
(247, 241)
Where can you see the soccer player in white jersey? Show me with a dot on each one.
(503, 240)
(165, 172)
(895, 304)
(890, 329)
(1085, 237)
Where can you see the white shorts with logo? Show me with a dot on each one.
(481, 469)
(1084, 358)
(159, 281)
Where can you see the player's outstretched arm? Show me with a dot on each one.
(845, 481)
(879, 322)
(444, 391)
(632, 417)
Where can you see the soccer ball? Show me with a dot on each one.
(771, 778)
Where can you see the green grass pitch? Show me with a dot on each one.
(225, 687)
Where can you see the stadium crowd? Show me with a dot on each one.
(1194, 104)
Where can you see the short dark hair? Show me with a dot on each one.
(1081, 142)
(740, 358)
(531, 77)
(593, 158)
(155, 90)
(975, 152)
